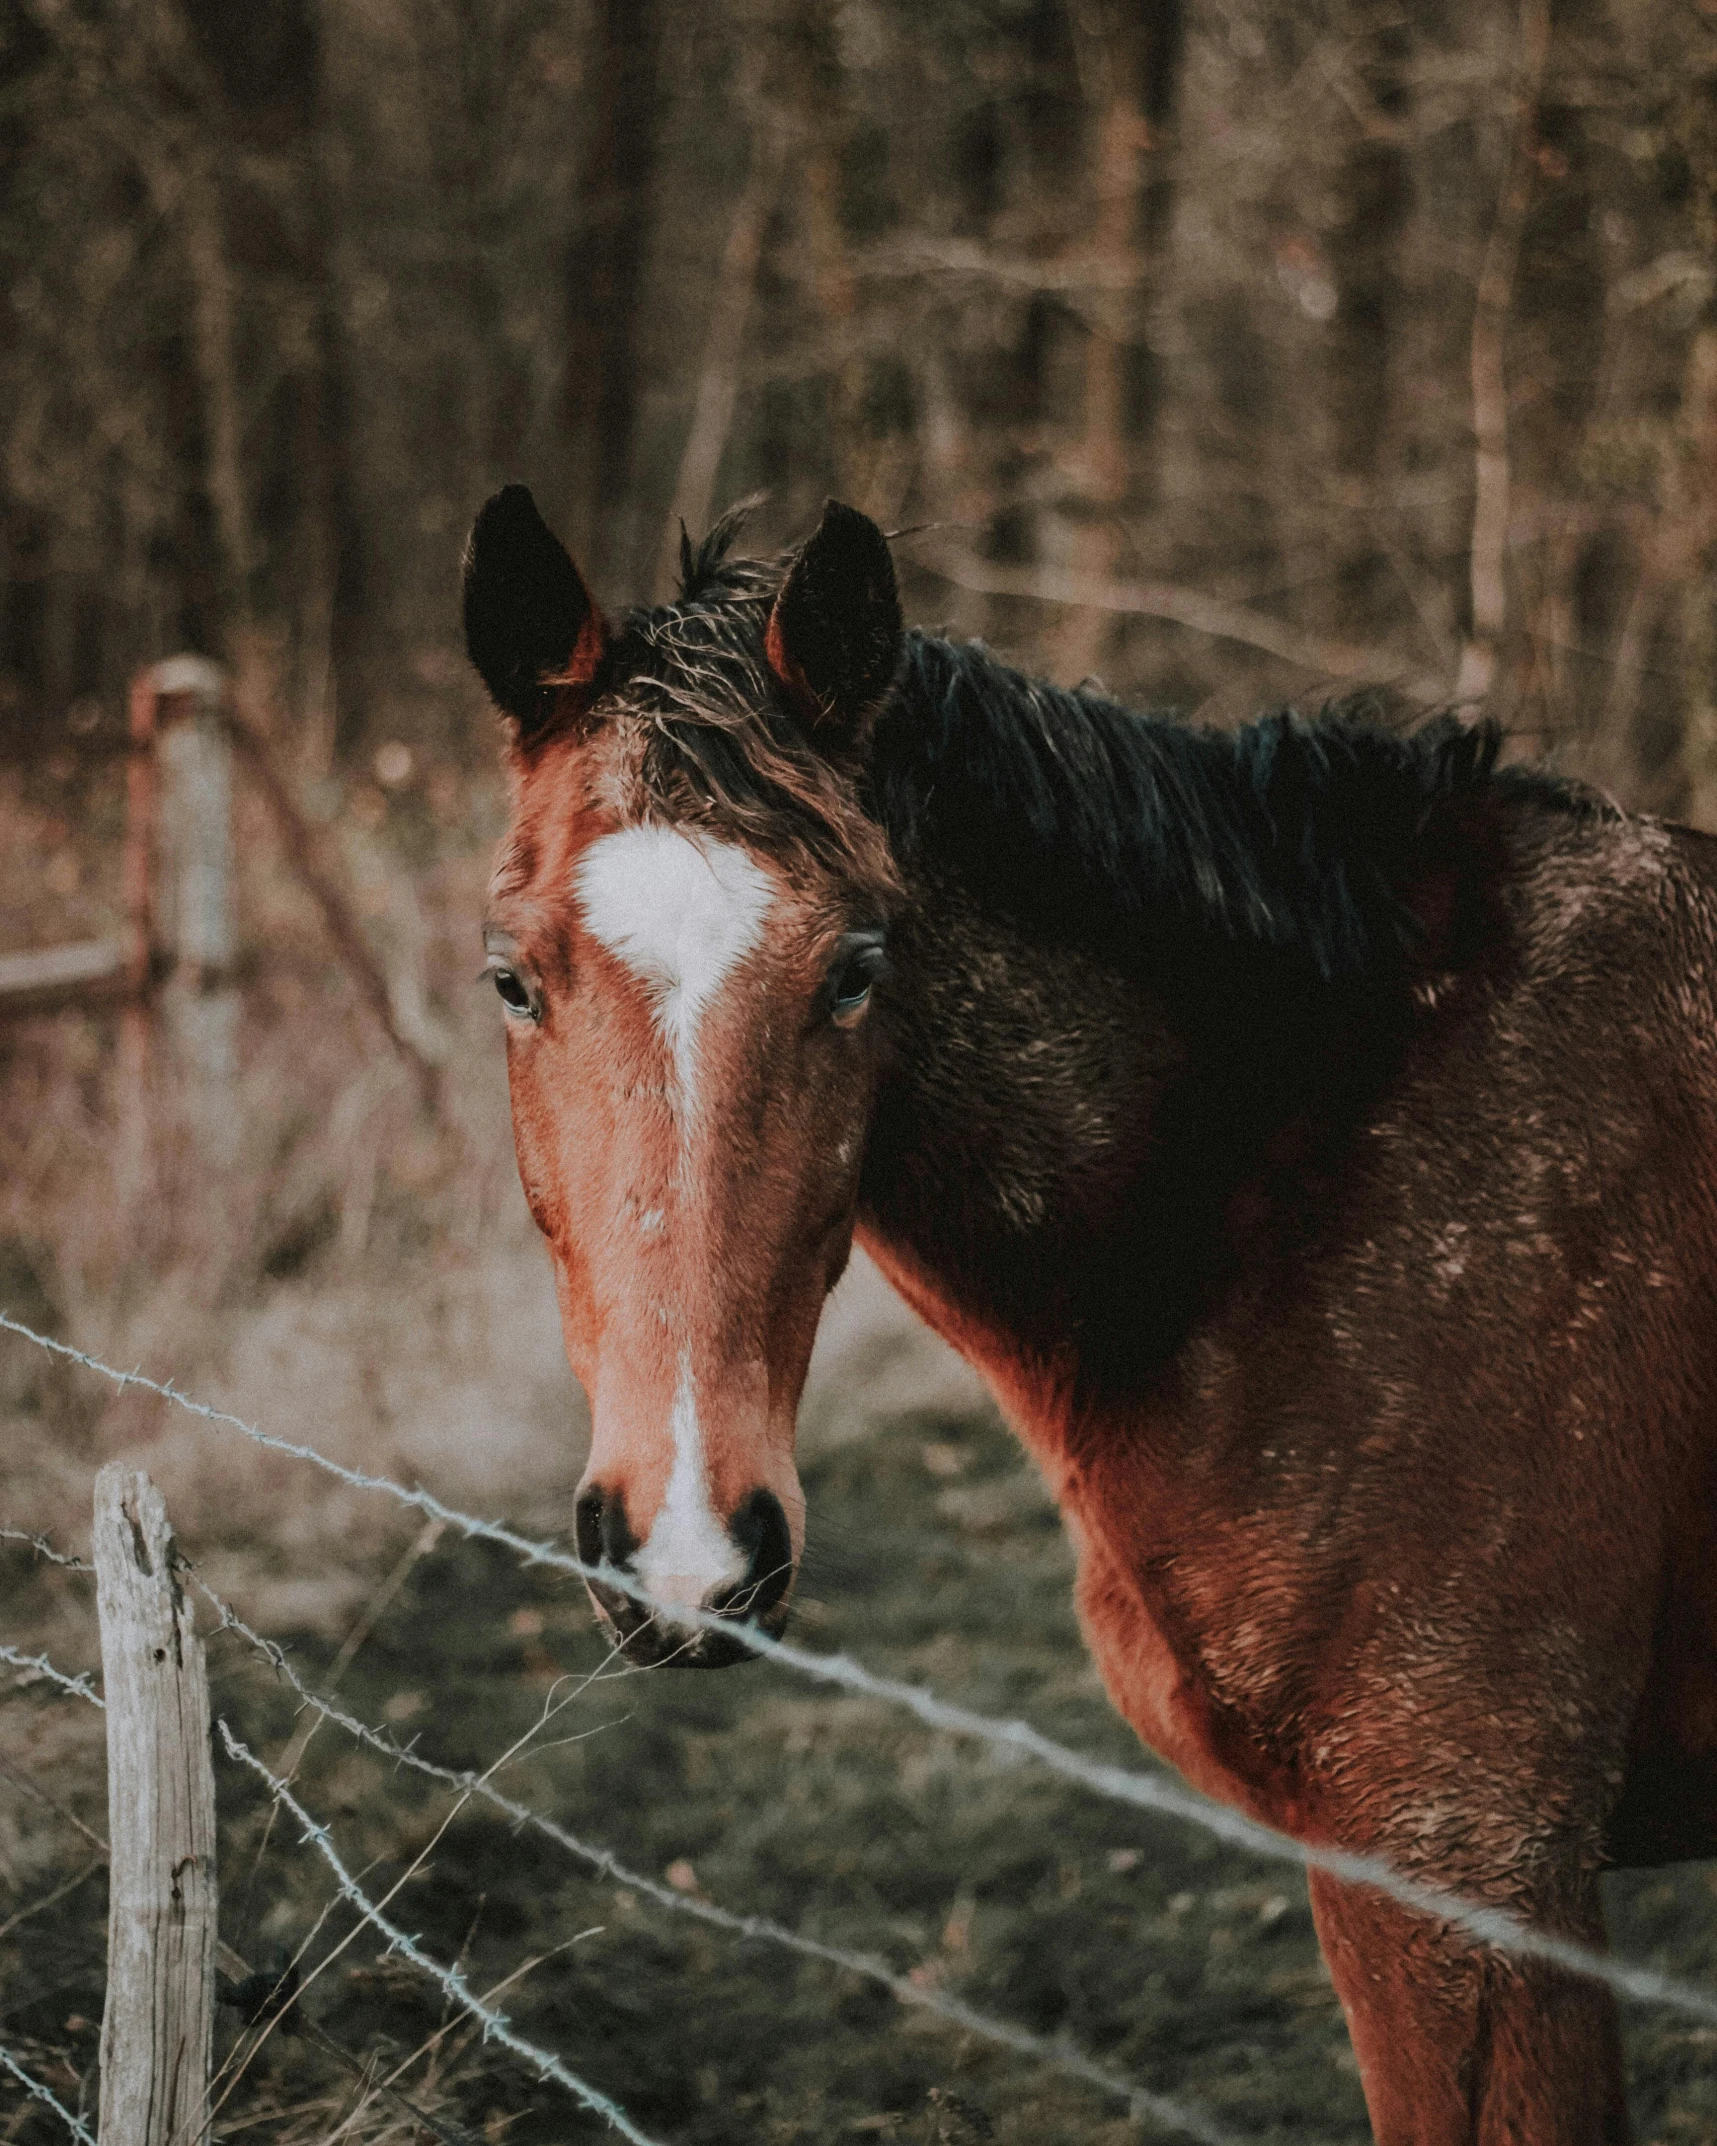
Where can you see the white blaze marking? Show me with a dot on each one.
(689, 1553)
(682, 911)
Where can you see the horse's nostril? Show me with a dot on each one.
(587, 1526)
(760, 1529)
(601, 1529)
(604, 1537)
(619, 1544)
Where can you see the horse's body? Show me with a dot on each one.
(1312, 1136)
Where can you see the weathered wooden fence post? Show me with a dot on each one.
(202, 1006)
(157, 2031)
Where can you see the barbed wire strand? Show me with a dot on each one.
(495, 2025)
(1495, 1927)
(38, 2092)
(80, 1685)
(1141, 2102)
(43, 1548)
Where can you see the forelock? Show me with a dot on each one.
(698, 731)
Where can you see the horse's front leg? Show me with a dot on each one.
(1463, 2047)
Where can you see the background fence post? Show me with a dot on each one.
(136, 888)
(157, 2031)
(195, 754)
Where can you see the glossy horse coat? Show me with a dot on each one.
(1311, 1134)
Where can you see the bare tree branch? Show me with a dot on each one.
(303, 851)
(718, 382)
(1120, 140)
(1695, 544)
(1199, 613)
(1489, 381)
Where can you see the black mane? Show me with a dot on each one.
(1072, 809)
(1305, 838)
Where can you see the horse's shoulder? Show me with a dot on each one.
(1601, 890)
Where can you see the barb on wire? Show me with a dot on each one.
(38, 2092)
(1141, 2102)
(451, 1979)
(1495, 1927)
(79, 1685)
(43, 1548)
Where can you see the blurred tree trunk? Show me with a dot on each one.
(1492, 303)
(1694, 514)
(188, 139)
(692, 508)
(604, 273)
(832, 287)
(1099, 469)
(188, 192)
(1372, 197)
(1159, 294)
(328, 640)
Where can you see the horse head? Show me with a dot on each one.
(687, 923)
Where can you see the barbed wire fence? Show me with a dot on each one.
(46, 2095)
(1164, 2113)
(1495, 1928)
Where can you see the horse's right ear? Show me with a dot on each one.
(531, 626)
(833, 639)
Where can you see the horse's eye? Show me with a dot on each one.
(857, 968)
(514, 994)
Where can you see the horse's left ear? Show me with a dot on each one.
(531, 626)
(834, 634)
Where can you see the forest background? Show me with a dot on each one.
(1304, 344)
(1232, 351)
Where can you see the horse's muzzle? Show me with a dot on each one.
(652, 1634)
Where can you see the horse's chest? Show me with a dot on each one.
(1152, 1668)
(1151, 1642)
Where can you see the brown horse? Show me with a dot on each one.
(1311, 1133)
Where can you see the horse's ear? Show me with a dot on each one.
(531, 627)
(834, 634)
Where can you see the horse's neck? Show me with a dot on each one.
(1013, 1130)
(1067, 1168)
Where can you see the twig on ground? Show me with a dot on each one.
(37, 1907)
(19, 1779)
(278, 1659)
(434, 2040)
(448, 2133)
(422, 1542)
(1141, 2101)
(450, 1979)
